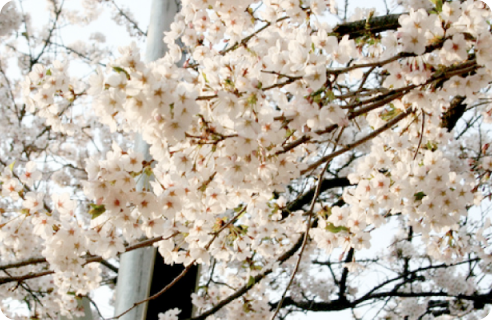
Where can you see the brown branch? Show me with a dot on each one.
(245, 40)
(23, 263)
(305, 239)
(88, 259)
(251, 283)
(50, 33)
(74, 52)
(184, 272)
(421, 136)
(4, 280)
(201, 98)
(338, 305)
(409, 273)
(302, 200)
(381, 100)
(294, 144)
(362, 27)
(171, 284)
(484, 298)
(353, 145)
(133, 23)
(370, 64)
(342, 304)
(343, 279)
(454, 113)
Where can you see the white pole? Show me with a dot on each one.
(136, 267)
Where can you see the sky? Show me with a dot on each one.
(119, 37)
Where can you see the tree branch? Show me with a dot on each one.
(361, 27)
(89, 259)
(251, 283)
(368, 137)
(133, 23)
(343, 279)
(304, 199)
(456, 110)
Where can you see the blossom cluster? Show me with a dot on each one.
(10, 21)
(268, 94)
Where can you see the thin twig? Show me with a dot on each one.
(317, 192)
(184, 272)
(245, 40)
(95, 307)
(250, 284)
(368, 137)
(305, 239)
(133, 23)
(421, 135)
(88, 259)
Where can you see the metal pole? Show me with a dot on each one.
(137, 266)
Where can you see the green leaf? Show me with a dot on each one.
(97, 210)
(419, 195)
(438, 5)
(318, 92)
(119, 70)
(390, 113)
(229, 82)
(251, 281)
(331, 227)
(289, 133)
(48, 72)
(11, 166)
(252, 99)
(242, 229)
(450, 242)
(330, 96)
(432, 146)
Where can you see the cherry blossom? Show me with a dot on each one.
(282, 146)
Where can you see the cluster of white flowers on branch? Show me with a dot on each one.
(273, 110)
(11, 21)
